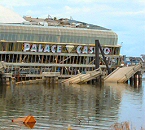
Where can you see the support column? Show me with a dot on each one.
(97, 47)
(131, 80)
(97, 63)
(135, 79)
(139, 78)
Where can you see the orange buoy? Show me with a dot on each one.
(29, 125)
(29, 119)
(25, 120)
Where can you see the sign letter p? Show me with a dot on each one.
(26, 47)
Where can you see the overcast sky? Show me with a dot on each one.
(125, 17)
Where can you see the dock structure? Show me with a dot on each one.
(2, 67)
(83, 78)
(38, 45)
(6, 78)
(51, 77)
(122, 75)
(143, 67)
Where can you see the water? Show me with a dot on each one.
(84, 107)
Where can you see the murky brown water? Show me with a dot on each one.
(84, 107)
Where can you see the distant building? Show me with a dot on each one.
(143, 57)
(132, 60)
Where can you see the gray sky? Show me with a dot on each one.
(125, 17)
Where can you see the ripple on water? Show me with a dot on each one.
(84, 107)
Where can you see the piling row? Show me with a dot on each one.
(136, 79)
(49, 77)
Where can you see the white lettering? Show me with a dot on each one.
(53, 48)
(40, 48)
(91, 50)
(106, 50)
(59, 49)
(85, 50)
(79, 49)
(26, 47)
(47, 48)
(34, 48)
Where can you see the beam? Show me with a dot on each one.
(97, 47)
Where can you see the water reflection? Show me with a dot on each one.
(2, 91)
(82, 106)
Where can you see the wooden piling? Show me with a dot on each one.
(131, 80)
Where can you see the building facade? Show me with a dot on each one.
(34, 45)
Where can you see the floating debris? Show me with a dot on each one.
(28, 121)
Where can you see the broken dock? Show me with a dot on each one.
(123, 74)
(83, 78)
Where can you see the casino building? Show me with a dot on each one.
(34, 45)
